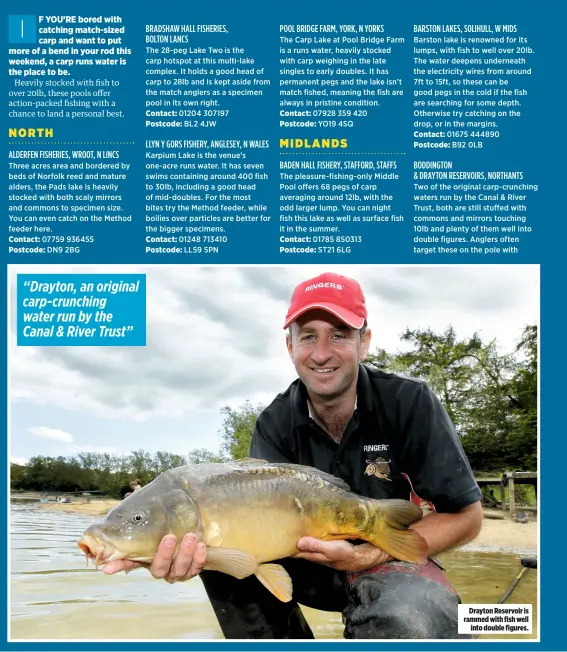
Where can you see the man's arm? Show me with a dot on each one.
(445, 531)
(440, 531)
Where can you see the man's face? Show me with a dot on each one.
(326, 353)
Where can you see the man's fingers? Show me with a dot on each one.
(161, 564)
(167, 565)
(117, 566)
(184, 558)
(310, 544)
(199, 560)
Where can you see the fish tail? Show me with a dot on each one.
(386, 526)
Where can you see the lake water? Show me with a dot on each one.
(54, 596)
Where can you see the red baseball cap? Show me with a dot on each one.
(339, 295)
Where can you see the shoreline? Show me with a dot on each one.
(94, 508)
(506, 536)
(496, 535)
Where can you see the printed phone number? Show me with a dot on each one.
(67, 238)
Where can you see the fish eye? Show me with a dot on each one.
(138, 517)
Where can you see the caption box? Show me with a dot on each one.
(495, 619)
(81, 310)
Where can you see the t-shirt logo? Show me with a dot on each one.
(379, 468)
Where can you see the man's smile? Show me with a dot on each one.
(324, 370)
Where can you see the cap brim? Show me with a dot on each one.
(349, 318)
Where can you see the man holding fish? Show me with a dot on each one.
(389, 438)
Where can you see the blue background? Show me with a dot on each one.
(533, 143)
(126, 308)
(388, 128)
(18, 35)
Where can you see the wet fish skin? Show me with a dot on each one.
(249, 513)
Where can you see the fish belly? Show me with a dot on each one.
(266, 534)
(260, 517)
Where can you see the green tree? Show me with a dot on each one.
(17, 475)
(201, 455)
(163, 461)
(452, 367)
(480, 389)
(237, 428)
(522, 443)
(141, 466)
(381, 359)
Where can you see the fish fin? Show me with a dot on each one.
(398, 513)
(405, 545)
(231, 561)
(309, 473)
(276, 579)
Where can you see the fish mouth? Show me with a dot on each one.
(100, 550)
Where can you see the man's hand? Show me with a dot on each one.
(188, 562)
(341, 555)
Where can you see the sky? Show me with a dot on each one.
(215, 339)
